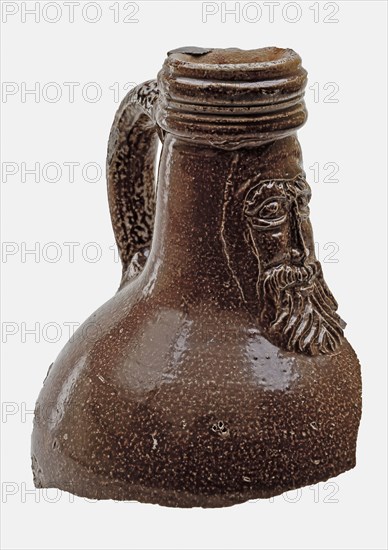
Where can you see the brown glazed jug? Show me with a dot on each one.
(219, 371)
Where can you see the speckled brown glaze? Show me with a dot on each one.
(219, 371)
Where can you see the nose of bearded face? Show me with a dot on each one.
(299, 250)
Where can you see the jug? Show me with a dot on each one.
(219, 371)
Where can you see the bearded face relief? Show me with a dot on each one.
(298, 311)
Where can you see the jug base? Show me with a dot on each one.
(180, 499)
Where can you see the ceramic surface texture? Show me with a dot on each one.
(219, 371)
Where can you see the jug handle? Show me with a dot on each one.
(130, 168)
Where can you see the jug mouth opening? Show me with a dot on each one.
(211, 94)
(234, 63)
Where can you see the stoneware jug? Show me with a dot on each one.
(219, 371)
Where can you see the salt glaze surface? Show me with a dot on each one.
(219, 371)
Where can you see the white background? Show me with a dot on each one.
(46, 295)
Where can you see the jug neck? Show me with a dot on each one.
(201, 244)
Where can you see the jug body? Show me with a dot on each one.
(219, 372)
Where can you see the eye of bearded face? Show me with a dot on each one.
(273, 208)
(269, 210)
(268, 213)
